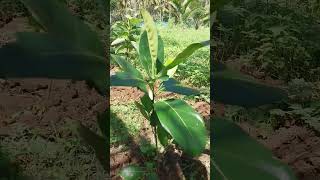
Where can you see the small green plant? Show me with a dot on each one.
(173, 118)
(124, 35)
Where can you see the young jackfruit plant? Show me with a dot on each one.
(171, 119)
(67, 49)
(124, 35)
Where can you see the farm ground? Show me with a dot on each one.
(52, 150)
(132, 140)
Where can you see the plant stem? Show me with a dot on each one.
(155, 127)
(155, 137)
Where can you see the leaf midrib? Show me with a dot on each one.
(179, 117)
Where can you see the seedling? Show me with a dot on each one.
(170, 118)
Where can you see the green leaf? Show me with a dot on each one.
(171, 71)
(126, 66)
(147, 103)
(184, 124)
(182, 57)
(236, 89)
(118, 41)
(145, 56)
(17, 62)
(144, 53)
(154, 120)
(127, 79)
(58, 21)
(142, 110)
(98, 143)
(103, 121)
(131, 172)
(152, 34)
(173, 85)
(163, 135)
(160, 59)
(237, 156)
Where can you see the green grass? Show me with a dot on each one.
(125, 122)
(196, 71)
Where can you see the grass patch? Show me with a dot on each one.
(125, 122)
(196, 71)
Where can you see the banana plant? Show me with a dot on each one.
(171, 119)
(181, 9)
(68, 49)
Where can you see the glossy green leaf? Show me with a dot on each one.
(142, 110)
(152, 35)
(131, 172)
(160, 59)
(17, 62)
(173, 85)
(163, 135)
(184, 124)
(58, 21)
(147, 103)
(127, 79)
(236, 89)
(237, 156)
(182, 57)
(145, 56)
(144, 53)
(126, 66)
(98, 143)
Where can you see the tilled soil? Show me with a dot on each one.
(33, 103)
(297, 146)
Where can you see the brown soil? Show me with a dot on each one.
(297, 146)
(294, 144)
(31, 102)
